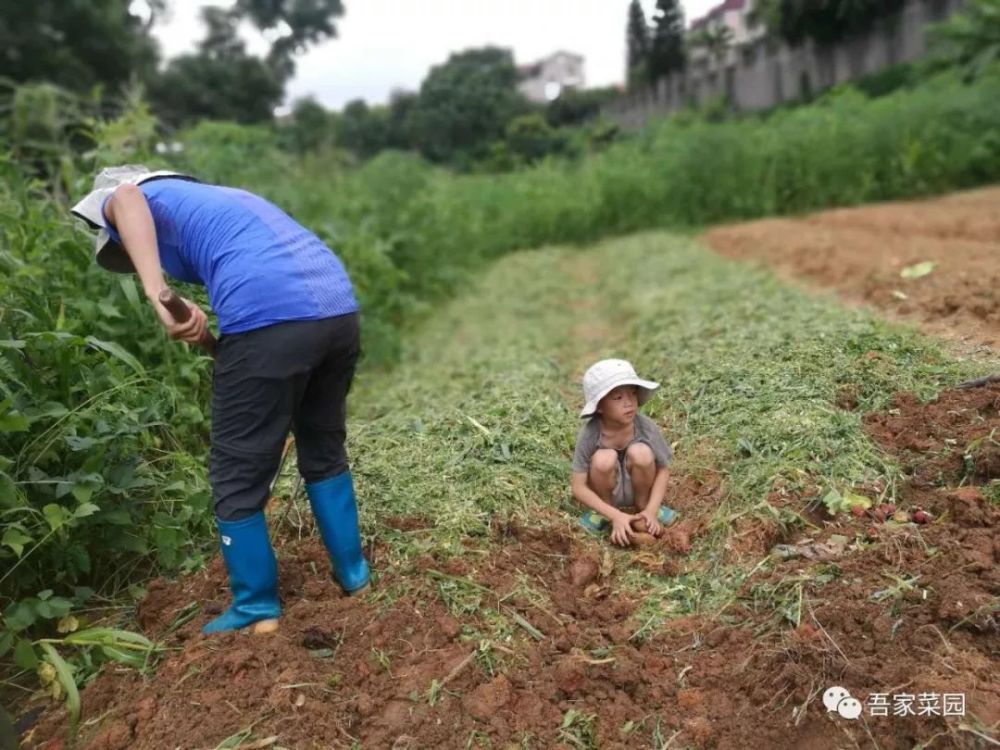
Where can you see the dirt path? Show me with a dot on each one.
(861, 252)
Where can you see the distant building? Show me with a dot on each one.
(744, 29)
(544, 80)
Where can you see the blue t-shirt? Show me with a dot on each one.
(259, 266)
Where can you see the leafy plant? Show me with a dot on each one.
(837, 502)
(971, 38)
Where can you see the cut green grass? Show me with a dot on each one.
(480, 419)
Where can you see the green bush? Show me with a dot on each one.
(889, 80)
(102, 435)
(970, 39)
(410, 232)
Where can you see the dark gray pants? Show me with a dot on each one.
(290, 375)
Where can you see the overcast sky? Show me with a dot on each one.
(384, 45)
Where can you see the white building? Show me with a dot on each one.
(544, 80)
(744, 29)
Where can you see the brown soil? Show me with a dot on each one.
(860, 252)
(422, 665)
(389, 672)
(952, 440)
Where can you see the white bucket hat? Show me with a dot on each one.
(110, 254)
(606, 375)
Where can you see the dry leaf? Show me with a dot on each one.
(649, 561)
(918, 270)
(597, 591)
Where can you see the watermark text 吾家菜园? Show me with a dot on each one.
(916, 704)
(929, 704)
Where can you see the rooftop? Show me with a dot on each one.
(718, 10)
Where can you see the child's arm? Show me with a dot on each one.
(656, 495)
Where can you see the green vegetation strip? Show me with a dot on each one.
(480, 417)
(409, 232)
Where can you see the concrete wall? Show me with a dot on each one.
(762, 75)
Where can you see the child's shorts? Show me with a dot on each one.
(623, 495)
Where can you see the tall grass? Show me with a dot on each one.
(103, 423)
(410, 232)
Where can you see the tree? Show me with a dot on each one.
(362, 129)
(826, 22)
(220, 82)
(532, 138)
(465, 104)
(223, 81)
(399, 127)
(310, 127)
(715, 39)
(76, 44)
(667, 53)
(577, 106)
(295, 23)
(195, 87)
(636, 45)
(970, 39)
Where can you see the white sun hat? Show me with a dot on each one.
(110, 254)
(606, 375)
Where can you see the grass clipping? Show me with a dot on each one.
(481, 417)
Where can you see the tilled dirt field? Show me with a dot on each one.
(861, 252)
(901, 609)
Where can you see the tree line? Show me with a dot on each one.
(81, 45)
(467, 111)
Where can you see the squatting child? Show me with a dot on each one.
(620, 461)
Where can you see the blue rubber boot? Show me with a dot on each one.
(336, 512)
(253, 576)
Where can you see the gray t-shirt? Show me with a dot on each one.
(646, 431)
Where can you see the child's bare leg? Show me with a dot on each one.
(641, 466)
(603, 475)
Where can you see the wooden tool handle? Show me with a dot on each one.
(181, 313)
(175, 306)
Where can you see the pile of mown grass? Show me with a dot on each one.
(479, 419)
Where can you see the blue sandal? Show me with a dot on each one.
(595, 522)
